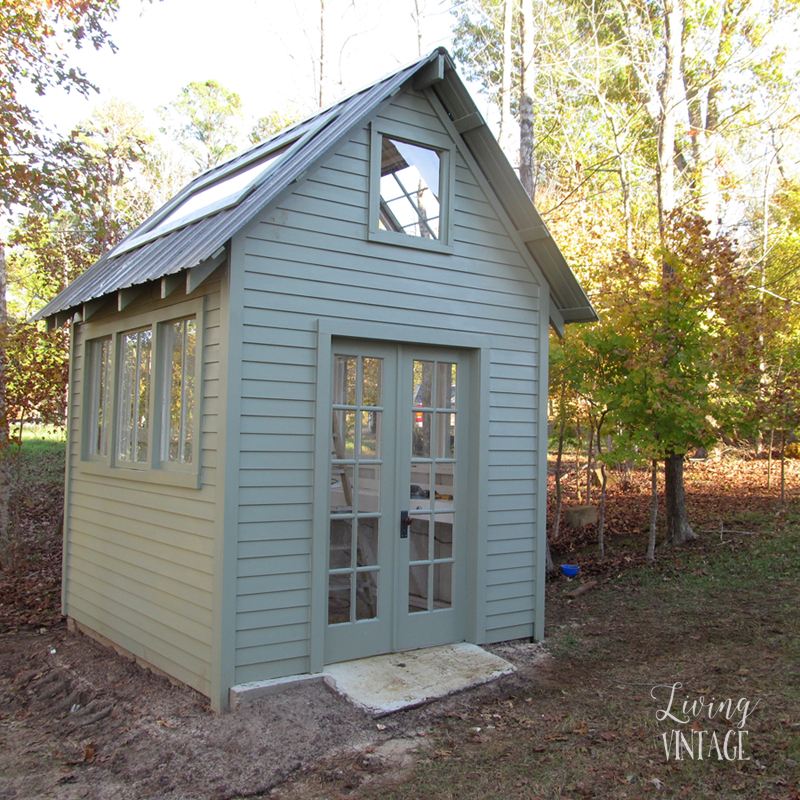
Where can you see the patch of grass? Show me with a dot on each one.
(41, 456)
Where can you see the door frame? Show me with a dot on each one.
(476, 348)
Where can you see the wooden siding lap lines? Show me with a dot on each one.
(276, 583)
(128, 611)
(131, 519)
(275, 513)
(296, 530)
(283, 276)
(469, 306)
(184, 667)
(273, 601)
(194, 619)
(297, 249)
(248, 656)
(269, 564)
(274, 634)
(377, 313)
(275, 669)
(194, 504)
(255, 548)
(148, 556)
(275, 496)
(272, 618)
(192, 585)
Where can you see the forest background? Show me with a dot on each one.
(659, 139)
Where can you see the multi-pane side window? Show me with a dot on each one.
(409, 189)
(99, 396)
(134, 396)
(178, 406)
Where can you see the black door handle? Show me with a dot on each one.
(405, 524)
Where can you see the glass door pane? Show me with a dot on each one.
(355, 495)
(432, 501)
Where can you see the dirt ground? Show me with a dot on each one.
(79, 721)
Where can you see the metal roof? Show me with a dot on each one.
(128, 264)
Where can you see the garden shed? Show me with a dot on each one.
(307, 416)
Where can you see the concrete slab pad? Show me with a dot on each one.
(384, 684)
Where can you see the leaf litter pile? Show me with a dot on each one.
(30, 593)
(579, 719)
(721, 495)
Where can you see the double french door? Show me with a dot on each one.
(397, 527)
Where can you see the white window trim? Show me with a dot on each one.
(153, 470)
(446, 149)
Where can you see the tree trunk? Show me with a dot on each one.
(578, 454)
(6, 534)
(627, 215)
(418, 19)
(559, 457)
(679, 531)
(549, 566)
(783, 465)
(601, 522)
(526, 108)
(322, 76)
(589, 455)
(669, 97)
(769, 458)
(505, 85)
(651, 544)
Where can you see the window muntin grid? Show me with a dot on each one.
(356, 465)
(432, 496)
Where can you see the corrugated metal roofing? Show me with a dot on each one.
(311, 139)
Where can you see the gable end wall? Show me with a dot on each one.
(308, 258)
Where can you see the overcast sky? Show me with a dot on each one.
(262, 49)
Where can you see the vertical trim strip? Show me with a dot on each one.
(68, 460)
(541, 465)
(223, 645)
(320, 471)
(480, 401)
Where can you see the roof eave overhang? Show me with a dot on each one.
(568, 301)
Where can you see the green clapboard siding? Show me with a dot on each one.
(139, 556)
(308, 258)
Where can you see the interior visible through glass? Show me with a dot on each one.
(100, 365)
(355, 508)
(179, 386)
(134, 397)
(432, 498)
(409, 189)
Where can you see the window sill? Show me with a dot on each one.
(163, 477)
(405, 240)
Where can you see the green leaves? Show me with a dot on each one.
(204, 119)
(664, 363)
(32, 53)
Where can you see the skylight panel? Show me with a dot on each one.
(206, 200)
(212, 198)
